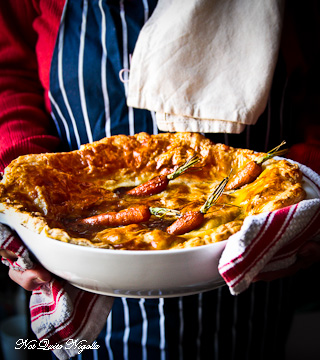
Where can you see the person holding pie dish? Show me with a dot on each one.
(50, 102)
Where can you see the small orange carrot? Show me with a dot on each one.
(153, 186)
(193, 219)
(246, 175)
(252, 169)
(159, 183)
(187, 222)
(133, 215)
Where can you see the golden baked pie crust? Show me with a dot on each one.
(48, 192)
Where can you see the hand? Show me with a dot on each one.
(308, 254)
(29, 279)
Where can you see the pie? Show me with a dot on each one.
(52, 193)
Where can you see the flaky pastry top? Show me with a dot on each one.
(49, 192)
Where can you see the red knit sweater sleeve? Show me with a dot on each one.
(25, 125)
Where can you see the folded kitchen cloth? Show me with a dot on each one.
(63, 317)
(206, 65)
(269, 242)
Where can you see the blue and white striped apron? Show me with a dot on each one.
(94, 43)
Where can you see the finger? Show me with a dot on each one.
(30, 279)
(7, 254)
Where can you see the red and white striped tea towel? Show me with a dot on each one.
(270, 241)
(62, 316)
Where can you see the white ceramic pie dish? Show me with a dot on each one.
(147, 273)
(159, 273)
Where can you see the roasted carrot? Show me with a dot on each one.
(133, 215)
(187, 222)
(153, 186)
(159, 183)
(252, 169)
(193, 219)
(246, 175)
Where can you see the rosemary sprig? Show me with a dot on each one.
(160, 212)
(190, 162)
(274, 152)
(213, 198)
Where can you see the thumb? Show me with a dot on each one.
(31, 279)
